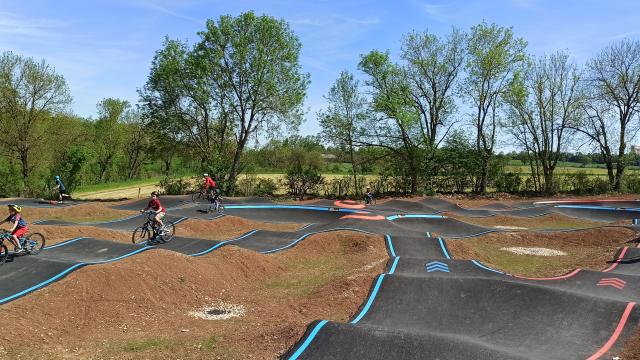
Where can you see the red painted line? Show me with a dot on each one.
(616, 333)
(573, 273)
(364, 217)
(349, 205)
(615, 264)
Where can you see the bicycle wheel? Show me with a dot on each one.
(140, 235)
(33, 243)
(4, 253)
(167, 232)
(196, 196)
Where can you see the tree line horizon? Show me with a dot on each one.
(205, 105)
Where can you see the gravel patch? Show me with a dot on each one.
(536, 251)
(220, 311)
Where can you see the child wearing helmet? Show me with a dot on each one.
(368, 196)
(19, 228)
(61, 188)
(209, 185)
(155, 205)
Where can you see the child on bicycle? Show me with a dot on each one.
(368, 197)
(19, 228)
(209, 186)
(155, 205)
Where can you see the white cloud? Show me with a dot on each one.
(16, 25)
(624, 35)
(172, 13)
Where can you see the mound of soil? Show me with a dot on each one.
(56, 234)
(550, 221)
(78, 213)
(227, 227)
(139, 308)
(589, 249)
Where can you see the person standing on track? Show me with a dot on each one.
(62, 190)
(155, 205)
(19, 228)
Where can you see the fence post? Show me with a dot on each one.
(139, 193)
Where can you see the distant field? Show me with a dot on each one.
(591, 171)
(130, 189)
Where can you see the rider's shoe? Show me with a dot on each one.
(18, 251)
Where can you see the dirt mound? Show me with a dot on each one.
(227, 227)
(590, 249)
(55, 234)
(223, 228)
(139, 307)
(550, 221)
(84, 212)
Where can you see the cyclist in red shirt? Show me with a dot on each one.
(209, 185)
(155, 205)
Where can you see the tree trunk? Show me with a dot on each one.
(353, 170)
(233, 172)
(24, 161)
(619, 175)
(548, 182)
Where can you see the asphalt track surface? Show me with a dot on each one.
(425, 305)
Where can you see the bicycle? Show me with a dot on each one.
(150, 232)
(214, 204)
(369, 199)
(198, 195)
(31, 245)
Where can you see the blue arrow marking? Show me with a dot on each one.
(437, 266)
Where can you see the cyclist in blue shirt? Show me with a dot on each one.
(61, 189)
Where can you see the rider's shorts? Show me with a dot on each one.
(20, 232)
(159, 216)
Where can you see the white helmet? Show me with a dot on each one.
(205, 174)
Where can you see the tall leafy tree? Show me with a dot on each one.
(433, 65)
(343, 120)
(252, 66)
(395, 124)
(30, 93)
(110, 133)
(544, 102)
(611, 117)
(493, 56)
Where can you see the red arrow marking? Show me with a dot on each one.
(615, 282)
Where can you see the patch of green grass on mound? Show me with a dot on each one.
(310, 275)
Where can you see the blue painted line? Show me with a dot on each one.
(288, 245)
(295, 207)
(179, 220)
(482, 266)
(67, 242)
(223, 243)
(473, 235)
(308, 340)
(413, 216)
(444, 248)
(306, 226)
(294, 242)
(370, 300)
(67, 271)
(391, 250)
(608, 208)
(394, 265)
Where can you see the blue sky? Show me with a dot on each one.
(104, 48)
